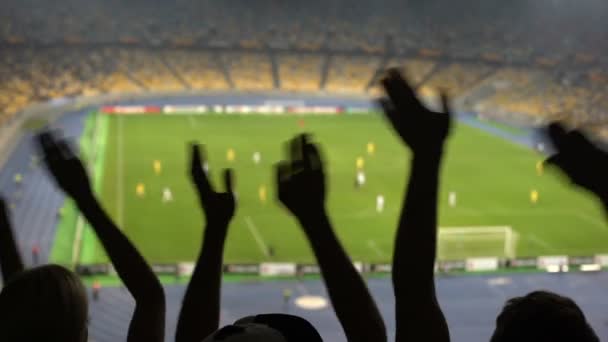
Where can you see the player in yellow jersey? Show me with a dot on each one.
(230, 155)
(140, 190)
(540, 167)
(360, 163)
(262, 193)
(534, 196)
(158, 167)
(371, 148)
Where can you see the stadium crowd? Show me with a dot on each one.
(538, 95)
(49, 302)
(496, 58)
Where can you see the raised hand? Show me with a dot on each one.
(300, 179)
(301, 188)
(418, 314)
(420, 128)
(219, 207)
(148, 322)
(585, 164)
(67, 170)
(200, 312)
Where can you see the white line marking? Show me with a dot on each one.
(591, 220)
(77, 244)
(372, 244)
(539, 242)
(121, 173)
(256, 235)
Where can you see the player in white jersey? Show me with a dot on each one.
(452, 199)
(257, 158)
(167, 195)
(360, 179)
(380, 203)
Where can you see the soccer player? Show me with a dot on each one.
(230, 155)
(360, 176)
(140, 190)
(262, 193)
(360, 163)
(452, 199)
(257, 158)
(360, 179)
(286, 298)
(167, 195)
(534, 196)
(158, 167)
(539, 168)
(371, 148)
(380, 203)
(18, 179)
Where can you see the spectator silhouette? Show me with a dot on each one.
(538, 316)
(148, 321)
(46, 302)
(583, 163)
(10, 259)
(302, 190)
(418, 315)
(49, 302)
(200, 312)
(542, 315)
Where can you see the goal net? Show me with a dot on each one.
(455, 243)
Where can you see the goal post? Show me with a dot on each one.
(455, 243)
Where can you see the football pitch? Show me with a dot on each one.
(492, 180)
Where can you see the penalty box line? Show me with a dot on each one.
(257, 236)
(374, 247)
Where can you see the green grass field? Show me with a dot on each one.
(492, 177)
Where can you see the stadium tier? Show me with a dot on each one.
(300, 72)
(532, 92)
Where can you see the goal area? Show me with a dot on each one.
(457, 243)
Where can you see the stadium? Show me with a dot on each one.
(132, 85)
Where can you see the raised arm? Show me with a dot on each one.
(200, 313)
(419, 316)
(585, 164)
(10, 259)
(148, 322)
(301, 188)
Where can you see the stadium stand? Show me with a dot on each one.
(149, 70)
(198, 69)
(35, 201)
(249, 71)
(300, 72)
(350, 74)
(211, 46)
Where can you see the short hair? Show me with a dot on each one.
(268, 327)
(542, 316)
(47, 303)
